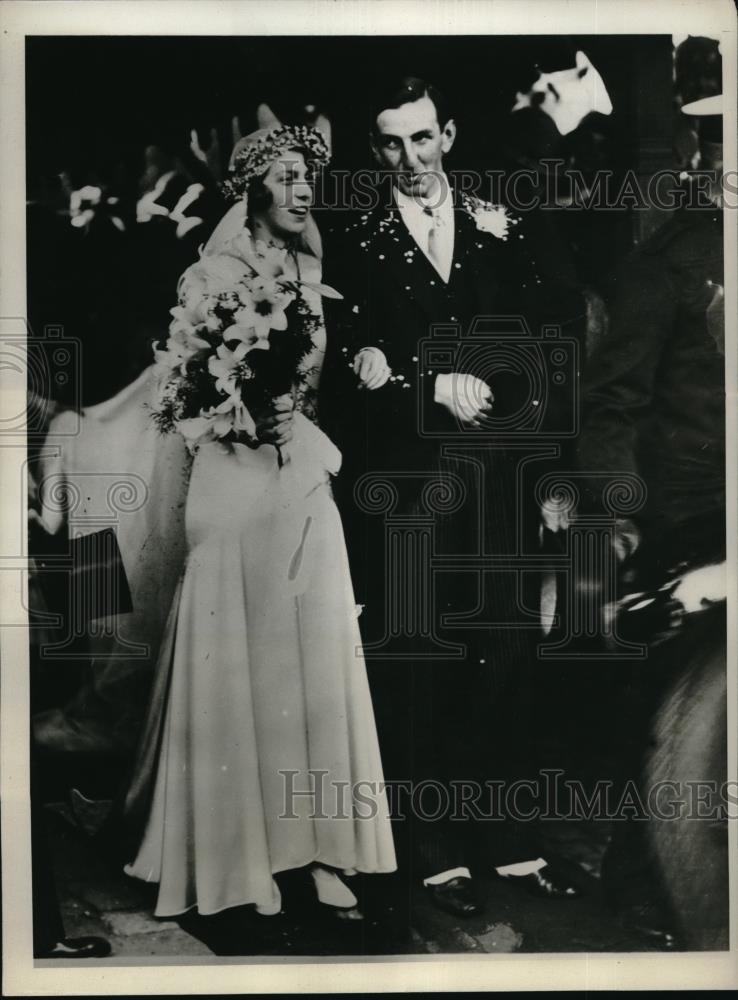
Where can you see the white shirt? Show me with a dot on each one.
(419, 225)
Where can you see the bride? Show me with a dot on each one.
(259, 754)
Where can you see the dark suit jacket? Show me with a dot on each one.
(440, 716)
(395, 300)
(654, 389)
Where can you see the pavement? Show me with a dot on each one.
(98, 898)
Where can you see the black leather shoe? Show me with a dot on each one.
(81, 947)
(455, 897)
(545, 883)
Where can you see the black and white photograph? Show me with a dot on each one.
(369, 561)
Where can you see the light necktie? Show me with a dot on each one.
(434, 250)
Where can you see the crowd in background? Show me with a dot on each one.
(111, 227)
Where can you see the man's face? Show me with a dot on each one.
(410, 142)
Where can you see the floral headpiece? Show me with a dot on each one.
(253, 155)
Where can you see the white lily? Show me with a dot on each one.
(194, 314)
(266, 261)
(269, 303)
(184, 334)
(222, 367)
(175, 355)
(232, 414)
(248, 329)
(210, 276)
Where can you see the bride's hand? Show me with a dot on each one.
(274, 425)
(370, 364)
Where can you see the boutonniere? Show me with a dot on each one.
(489, 218)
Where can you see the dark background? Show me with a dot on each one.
(116, 112)
(100, 100)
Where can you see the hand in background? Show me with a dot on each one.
(465, 396)
(370, 364)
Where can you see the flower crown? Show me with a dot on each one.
(257, 156)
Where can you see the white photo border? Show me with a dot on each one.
(310, 17)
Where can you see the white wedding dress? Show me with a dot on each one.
(260, 691)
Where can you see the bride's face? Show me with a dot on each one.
(291, 196)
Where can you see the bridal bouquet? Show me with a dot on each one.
(236, 342)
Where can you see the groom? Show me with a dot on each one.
(451, 702)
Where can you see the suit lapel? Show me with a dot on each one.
(476, 269)
(396, 250)
(476, 262)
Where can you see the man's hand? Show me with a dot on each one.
(466, 397)
(370, 364)
(274, 425)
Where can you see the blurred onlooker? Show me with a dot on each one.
(559, 125)
(698, 73)
(654, 406)
(105, 253)
(178, 188)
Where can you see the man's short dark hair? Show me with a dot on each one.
(405, 91)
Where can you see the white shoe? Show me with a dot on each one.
(332, 891)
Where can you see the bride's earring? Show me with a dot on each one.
(335, 893)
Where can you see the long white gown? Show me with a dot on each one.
(261, 690)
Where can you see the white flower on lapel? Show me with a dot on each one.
(493, 220)
(489, 218)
